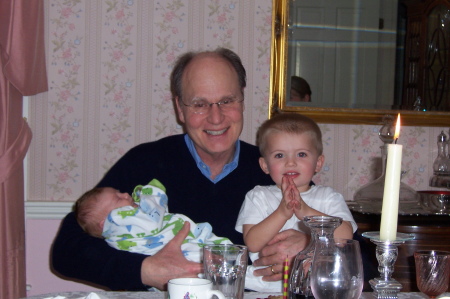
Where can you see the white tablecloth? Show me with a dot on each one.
(163, 295)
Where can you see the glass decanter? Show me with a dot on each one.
(441, 165)
(370, 196)
(322, 228)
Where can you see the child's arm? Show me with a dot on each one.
(256, 236)
(344, 231)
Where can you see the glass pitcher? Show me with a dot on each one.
(322, 228)
(337, 270)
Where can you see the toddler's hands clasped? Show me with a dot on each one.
(291, 201)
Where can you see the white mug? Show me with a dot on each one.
(192, 288)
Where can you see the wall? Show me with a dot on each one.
(108, 67)
(40, 280)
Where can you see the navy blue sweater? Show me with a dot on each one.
(82, 257)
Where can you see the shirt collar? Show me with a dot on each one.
(204, 169)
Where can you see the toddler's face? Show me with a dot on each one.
(292, 155)
(111, 199)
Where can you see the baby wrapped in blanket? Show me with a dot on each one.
(140, 223)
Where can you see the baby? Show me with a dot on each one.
(140, 223)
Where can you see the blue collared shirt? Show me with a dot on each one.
(205, 168)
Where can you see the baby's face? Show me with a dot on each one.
(111, 199)
(291, 155)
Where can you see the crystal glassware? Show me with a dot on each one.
(385, 287)
(337, 270)
(370, 196)
(432, 271)
(225, 265)
(322, 228)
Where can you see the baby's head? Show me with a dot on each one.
(290, 145)
(92, 208)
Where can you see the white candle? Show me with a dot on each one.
(389, 211)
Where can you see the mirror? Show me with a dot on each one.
(335, 104)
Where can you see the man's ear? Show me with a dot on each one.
(263, 164)
(243, 103)
(179, 110)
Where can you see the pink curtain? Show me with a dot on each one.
(22, 62)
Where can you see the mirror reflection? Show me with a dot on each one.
(345, 51)
(300, 90)
(362, 60)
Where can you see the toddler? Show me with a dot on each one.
(291, 149)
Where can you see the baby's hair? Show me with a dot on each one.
(289, 123)
(85, 211)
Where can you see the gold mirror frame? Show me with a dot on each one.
(277, 100)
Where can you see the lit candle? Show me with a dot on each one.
(285, 278)
(389, 211)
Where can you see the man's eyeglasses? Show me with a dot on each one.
(204, 107)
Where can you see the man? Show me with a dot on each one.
(207, 173)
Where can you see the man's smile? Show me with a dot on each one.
(210, 132)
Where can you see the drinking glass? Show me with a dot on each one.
(432, 271)
(337, 270)
(225, 265)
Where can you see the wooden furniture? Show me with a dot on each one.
(432, 232)
(427, 46)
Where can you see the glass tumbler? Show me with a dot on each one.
(226, 265)
(432, 271)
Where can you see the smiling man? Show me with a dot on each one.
(206, 171)
(211, 104)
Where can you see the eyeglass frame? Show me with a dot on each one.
(234, 99)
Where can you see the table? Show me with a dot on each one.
(163, 295)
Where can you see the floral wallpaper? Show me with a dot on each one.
(353, 156)
(109, 63)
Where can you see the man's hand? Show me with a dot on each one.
(169, 263)
(285, 244)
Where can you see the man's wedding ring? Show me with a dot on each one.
(271, 269)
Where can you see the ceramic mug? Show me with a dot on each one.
(192, 288)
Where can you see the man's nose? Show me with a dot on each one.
(215, 113)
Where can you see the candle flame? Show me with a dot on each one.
(397, 129)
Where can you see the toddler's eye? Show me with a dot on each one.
(278, 156)
(301, 155)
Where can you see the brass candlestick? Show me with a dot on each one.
(385, 287)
